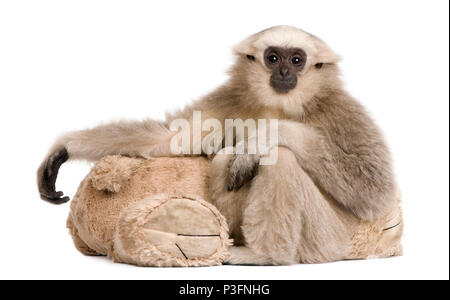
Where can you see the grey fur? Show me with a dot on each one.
(331, 155)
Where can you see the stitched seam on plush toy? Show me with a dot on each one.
(392, 226)
(182, 252)
(198, 235)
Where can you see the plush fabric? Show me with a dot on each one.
(149, 213)
(157, 212)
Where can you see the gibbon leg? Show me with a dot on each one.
(286, 220)
(230, 204)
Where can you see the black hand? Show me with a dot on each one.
(241, 170)
(47, 175)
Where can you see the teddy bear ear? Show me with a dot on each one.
(111, 173)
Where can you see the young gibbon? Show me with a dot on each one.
(330, 153)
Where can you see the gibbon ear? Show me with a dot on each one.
(324, 54)
(288, 36)
(246, 47)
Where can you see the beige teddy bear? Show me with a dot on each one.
(156, 212)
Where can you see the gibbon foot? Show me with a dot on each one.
(47, 175)
(245, 256)
(241, 169)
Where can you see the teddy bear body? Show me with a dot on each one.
(158, 212)
(149, 213)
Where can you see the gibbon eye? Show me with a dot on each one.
(296, 60)
(272, 58)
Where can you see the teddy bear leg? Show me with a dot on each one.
(79, 243)
(380, 238)
(171, 231)
(390, 240)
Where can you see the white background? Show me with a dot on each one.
(67, 65)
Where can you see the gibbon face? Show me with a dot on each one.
(285, 66)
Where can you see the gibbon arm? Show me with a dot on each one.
(131, 138)
(360, 180)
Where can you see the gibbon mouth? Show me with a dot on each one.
(283, 86)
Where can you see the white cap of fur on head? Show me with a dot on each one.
(287, 37)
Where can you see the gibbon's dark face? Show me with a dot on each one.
(285, 64)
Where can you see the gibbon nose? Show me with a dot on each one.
(284, 71)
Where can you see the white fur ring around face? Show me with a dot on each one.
(164, 231)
